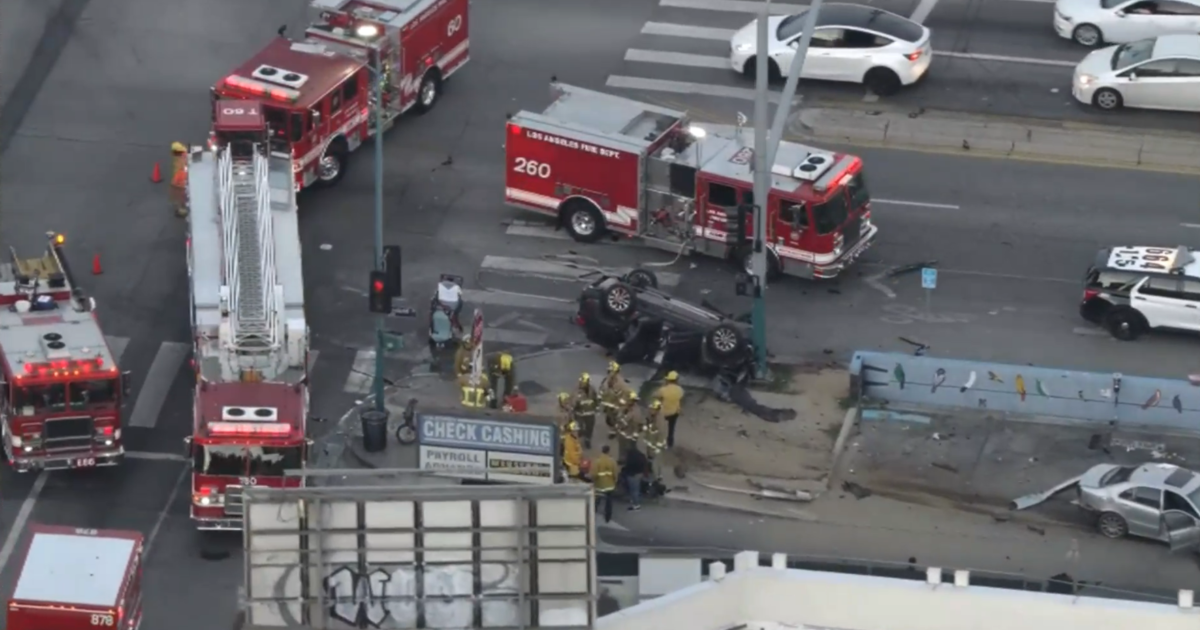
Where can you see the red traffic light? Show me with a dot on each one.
(378, 286)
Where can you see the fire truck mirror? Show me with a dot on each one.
(316, 117)
(126, 383)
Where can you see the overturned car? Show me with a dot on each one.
(629, 315)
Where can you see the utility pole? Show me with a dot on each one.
(377, 77)
(766, 147)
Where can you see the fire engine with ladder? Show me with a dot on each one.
(318, 94)
(63, 391)
(248, 321)
(605, 164)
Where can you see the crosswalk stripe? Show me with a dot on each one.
(684, 87)
(677, 59)
(687, 30)
(156, 386)
(362, 373)
(554, 270)
(515, 337)
(116, 347)
(734, 6)
(518, 300)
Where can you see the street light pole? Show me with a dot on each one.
(377, 79)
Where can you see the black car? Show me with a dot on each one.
(632, 316)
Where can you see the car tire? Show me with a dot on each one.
(1108, 99)
(1125, 323)
(583, 221)
(750, 69)
(1112, 525)
(882, 81)
(642, 279)
(429, 91)
(724, 341)
(1087, 35)
(619, 300)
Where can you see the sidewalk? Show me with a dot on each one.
(992, 136)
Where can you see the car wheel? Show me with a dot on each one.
(1125, 323)
(1087, 35)
(583, 221)
(1107, 99)
(429, 91)
(642, 279)
(1112, 525)
(882, 82)
(751, 69)
(332, 166)
(724, 340)
(619, 300)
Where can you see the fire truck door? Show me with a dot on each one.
(718, 207)
(790, 222)
(338, 111)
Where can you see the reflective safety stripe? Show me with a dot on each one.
(474, 397)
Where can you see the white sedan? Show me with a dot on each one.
(1158, 73)
(1095, 22)
(851, 42)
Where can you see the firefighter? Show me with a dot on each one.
(178, 193)
(628, 424)
(611, 390)
(566, 410)
(671, 397)
(584, 409)
(604, 481)
(572, 452)
(502, 372)
(651, 433)
(473, 395)
(463, 356)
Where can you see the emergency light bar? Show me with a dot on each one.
(68, 368)
(247, 428)
(286, 95)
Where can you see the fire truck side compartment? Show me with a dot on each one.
(75, 570)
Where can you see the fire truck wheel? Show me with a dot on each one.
(332, 166)
(642, 279)
(619, 300)
(583, 221)
(724, 340)
(431, 89)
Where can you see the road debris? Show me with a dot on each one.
(855, 489)
(1040, 531)
(945, 467)
(1036, 498)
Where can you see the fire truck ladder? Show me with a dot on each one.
(249, 259)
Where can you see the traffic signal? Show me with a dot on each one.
(380, 299)
(391, 266)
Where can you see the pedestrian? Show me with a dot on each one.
(671, 397)
(604, 480)
(632, 471)
(178, 191)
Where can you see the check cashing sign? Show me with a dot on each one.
(490, 450)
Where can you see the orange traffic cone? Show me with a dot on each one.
(156, 176)
(96, 270)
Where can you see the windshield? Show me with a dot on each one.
(830, 215)
(859, 196)
(32, 399)
(247, 461)
(1132, 53)
(791, 26)
(86, 394)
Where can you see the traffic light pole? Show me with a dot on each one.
(377, 382)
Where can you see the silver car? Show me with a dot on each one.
(1157, 501)
(1159, 73)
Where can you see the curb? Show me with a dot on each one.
(683, 498)
(849, 423)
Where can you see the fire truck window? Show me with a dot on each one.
(683, 180)
(796, 215)
(830, 216)
(748, 197)
(51, 397)
(86, 393)
(298, 126)
(859, 196)
(722, 195)
(221, 460)
(335, 102)
(276, 120)
(350, 89)
(272, 461)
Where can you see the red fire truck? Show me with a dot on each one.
(63, 390)
(604, 164)
(77, 579)
(248, 321)
(317, 94)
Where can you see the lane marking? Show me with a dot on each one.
(983, 274)
(687, 30)
(921, 13)
(677, 59)
(153, 392)
(515, 337)
(513, 299)
(117, 346)
(683, 87)
(18, 526)
(162, 515)
(155, 456)
(1190, 225)
(734, 6)
(551, 270)
(876, 282)
(1090, 332)
(1006, 58)
(362, 373)
(921, 204)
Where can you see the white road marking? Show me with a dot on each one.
(162, 514)
(154, 390)
(18, 525)
(362, 373)
(921, 204)
(543, 230)
(117, 346)
(506, 318)
(687, 30)
(155, 457)
(677, 59)
(734, 6)
(988, 274)
(1005, 58)
(1090, 332)
(533, 326)
(515, 337)
(683, 87)
(876, 282)
(600, 524)
(921, 13)
(513, 299)
(1190, 225)
(551, 270)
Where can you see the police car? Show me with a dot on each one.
(1133, 290)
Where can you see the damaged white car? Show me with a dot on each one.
(1157, 501)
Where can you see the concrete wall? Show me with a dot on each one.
(829, 600)
(1088, 396)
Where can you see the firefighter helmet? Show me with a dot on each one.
(656, 405)
(585, 379)
(177, 147)
(672, 376)
(564, 397)
(572, 427)
(633, 397)
(613, 367)
(506, 361)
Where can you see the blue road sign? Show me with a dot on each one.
(928, 278)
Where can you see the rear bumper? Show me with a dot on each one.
(23, 463)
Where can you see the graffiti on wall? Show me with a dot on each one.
(931, 381)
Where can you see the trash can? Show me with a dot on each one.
(374, 428)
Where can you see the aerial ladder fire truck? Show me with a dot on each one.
(249, 327)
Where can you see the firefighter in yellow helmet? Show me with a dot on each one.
(586, 404)
(629, 422)
(178, 190)
(671, 397)
(651, 432)
(503, 374)
(612, 389)
(604, 480)
(462, 356)
(572, 452)
(566, 410)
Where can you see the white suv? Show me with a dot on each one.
(1147, 288)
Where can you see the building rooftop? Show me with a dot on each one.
(752, 597)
